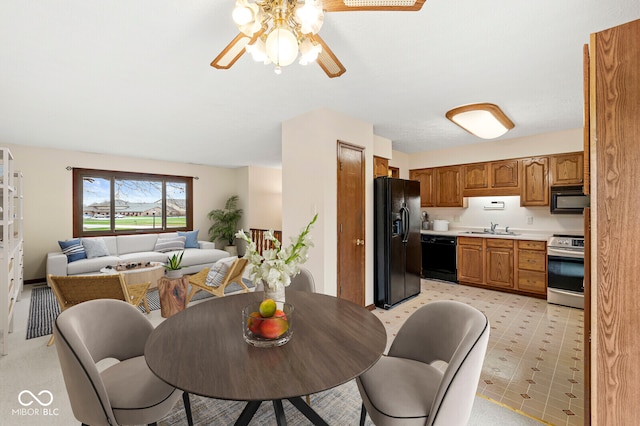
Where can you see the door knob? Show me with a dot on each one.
(359, 242)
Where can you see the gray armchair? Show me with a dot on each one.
(124, 393)
(431, 373)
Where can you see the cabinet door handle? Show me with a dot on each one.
(359, 242)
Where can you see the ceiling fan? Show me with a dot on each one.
(275, 31)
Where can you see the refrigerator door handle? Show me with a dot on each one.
(405, 224)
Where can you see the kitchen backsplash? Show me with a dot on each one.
(533, 219)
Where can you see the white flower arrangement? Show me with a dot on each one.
(276, 266)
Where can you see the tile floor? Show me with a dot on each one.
(534, 361)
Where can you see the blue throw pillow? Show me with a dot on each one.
(192, 239)
(73, 249)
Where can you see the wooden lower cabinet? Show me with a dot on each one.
(471, 260)
(499, 263)
(532, 267)
(518, 266)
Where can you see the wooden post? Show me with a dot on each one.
(173, 295)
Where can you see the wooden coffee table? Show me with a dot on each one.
(201, 350)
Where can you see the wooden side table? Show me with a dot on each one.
(172, 293)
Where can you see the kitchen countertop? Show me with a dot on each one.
(462, 232)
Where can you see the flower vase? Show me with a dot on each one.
(275, 292)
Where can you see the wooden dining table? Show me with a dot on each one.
(201, 350)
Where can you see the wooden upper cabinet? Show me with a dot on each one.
(449, 187)
(491, 178)
(567, 169)
(426, 177)
(534, 185)
(505, 174)
(394, 172)
(380, 167)
(476, 176)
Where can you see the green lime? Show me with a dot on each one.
(267, 308)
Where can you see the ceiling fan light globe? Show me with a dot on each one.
(282, 46)
(258, 51)
(309, 52)
(310, 17)
(242, 15)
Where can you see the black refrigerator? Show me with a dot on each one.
(398, 255)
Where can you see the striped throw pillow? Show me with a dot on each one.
(164, 245)
(73, 249)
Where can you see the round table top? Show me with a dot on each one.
(202, 350)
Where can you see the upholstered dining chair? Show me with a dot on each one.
(124, 393)
(72, 290)
(301, 282)
(431, 372)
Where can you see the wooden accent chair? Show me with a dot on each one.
(234, 274)
(72, 290)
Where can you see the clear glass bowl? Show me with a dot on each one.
(267, 332)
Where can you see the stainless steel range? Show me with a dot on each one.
(565, 268)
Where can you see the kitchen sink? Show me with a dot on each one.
(490, 233)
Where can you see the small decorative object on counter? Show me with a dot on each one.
(264, 325)
(277, 265)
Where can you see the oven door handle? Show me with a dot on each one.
(576, 254)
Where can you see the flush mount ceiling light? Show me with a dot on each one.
(486, 121)
(276, 31)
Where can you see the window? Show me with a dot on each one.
(108, 203)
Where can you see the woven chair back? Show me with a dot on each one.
(71, 290)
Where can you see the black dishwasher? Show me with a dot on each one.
(439, 255)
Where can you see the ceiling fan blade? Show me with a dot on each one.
(234, 50)
(328, 60)
(380, 5)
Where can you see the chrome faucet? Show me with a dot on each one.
(493, 227)
(506, 230)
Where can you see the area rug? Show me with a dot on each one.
(44, 309)
(338, 406)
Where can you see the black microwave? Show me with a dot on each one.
(568, 200)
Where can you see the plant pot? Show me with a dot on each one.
(232, 250)
(174, 273)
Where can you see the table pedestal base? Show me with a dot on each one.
(252, 406)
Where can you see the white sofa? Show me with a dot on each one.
(135, 248)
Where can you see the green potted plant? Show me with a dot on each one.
(225, 223)
(173, 265)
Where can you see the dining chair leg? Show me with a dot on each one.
(308, 400)
(187, 408)
(363, 415)
(50, 342)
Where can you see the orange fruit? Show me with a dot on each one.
(253, 323)
(273, 328)
(280, 314)
(267, 308)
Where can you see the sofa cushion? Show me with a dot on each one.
(95, 247)
(91, 266)
(192, 238)
(144, 256)
(73, 249)
(201, 257)
(136, 243)
(165, 245)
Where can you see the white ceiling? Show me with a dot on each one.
(133, 77)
